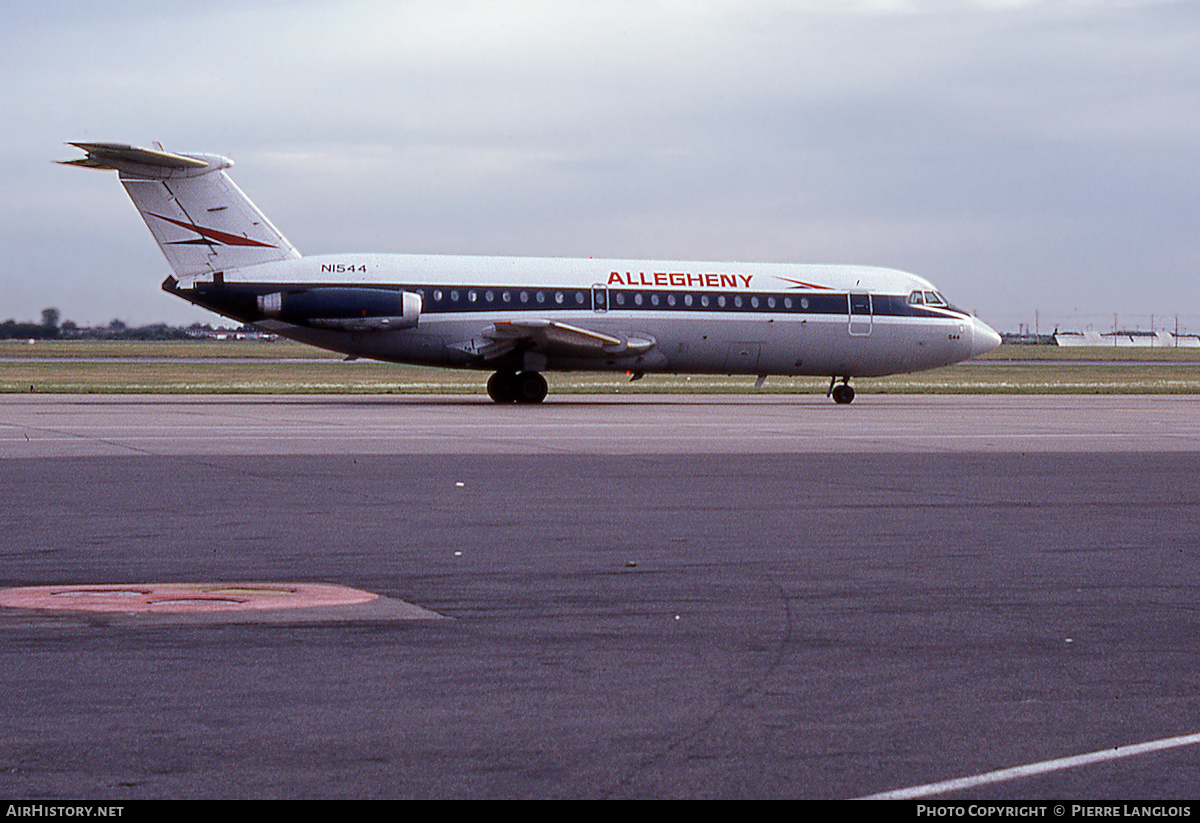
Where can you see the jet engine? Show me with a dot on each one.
(348, 308)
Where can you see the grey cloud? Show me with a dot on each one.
(1022, 155)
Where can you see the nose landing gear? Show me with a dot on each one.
(525, 387)
(842, 394)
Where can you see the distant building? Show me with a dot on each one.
(243, 333)
(1126, 338)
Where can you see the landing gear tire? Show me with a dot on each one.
(501, 387)
(530, 387)
(526, 387)
(842, 394)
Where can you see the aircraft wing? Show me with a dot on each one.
(551, 337)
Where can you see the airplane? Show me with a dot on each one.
(521, 317)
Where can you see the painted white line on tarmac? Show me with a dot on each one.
(1031, 769)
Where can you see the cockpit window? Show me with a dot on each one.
(916, 299)
(934, 299)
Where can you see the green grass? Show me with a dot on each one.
(284, 367)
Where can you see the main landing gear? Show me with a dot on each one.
(842, 394)
(523, 387)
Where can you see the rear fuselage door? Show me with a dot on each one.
(860, 313)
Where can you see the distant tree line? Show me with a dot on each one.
(51, 329)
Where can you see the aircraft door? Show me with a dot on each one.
(860, 313)
(599, 298)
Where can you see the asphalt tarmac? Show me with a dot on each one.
(617, 598)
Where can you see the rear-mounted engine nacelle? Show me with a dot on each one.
(334, 307)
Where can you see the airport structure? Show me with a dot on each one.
(1127, 337)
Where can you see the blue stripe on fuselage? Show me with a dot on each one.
(456, 299)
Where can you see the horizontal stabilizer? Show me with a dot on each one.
(132, 161)
(202, 221)
(113, 155)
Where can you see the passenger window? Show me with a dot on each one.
(558, 297)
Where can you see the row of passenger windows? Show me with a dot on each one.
(561, 298)
(619, 299)
(720, 301)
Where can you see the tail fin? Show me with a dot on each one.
(202, 221)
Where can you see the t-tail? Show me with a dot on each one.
(202, 221)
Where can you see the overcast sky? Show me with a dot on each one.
(1023, 155)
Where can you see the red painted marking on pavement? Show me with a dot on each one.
(166, 598)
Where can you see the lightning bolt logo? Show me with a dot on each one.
(800, 284)
(209, 236)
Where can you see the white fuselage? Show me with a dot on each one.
(724, 318)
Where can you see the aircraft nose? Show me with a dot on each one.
(983, 338)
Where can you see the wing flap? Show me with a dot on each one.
(551, 337)
(552, 334)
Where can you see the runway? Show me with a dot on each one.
(112, 425)
(653, 597)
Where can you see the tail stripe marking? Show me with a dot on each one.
(213, 234)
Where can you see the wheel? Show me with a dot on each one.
(530, 387)
(843, 394)
(501, 387)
